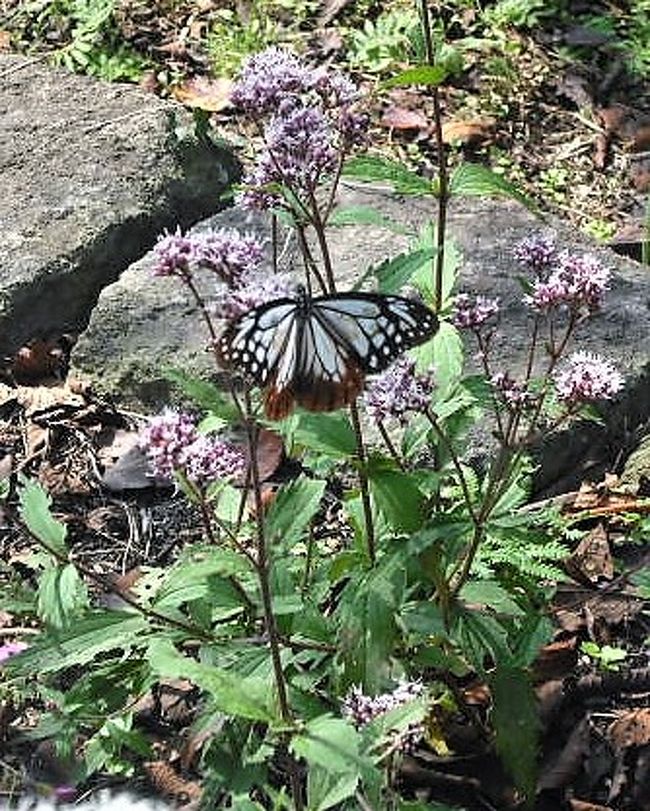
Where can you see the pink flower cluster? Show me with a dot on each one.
(172, 442)
(398, 391)
(361, 709)
(224, 251)
(575, 281)
(10, 649)
(312, 121)
(252, 290)
(586, 377)
(511, 393)
(473, 312)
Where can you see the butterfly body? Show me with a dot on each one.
(316, 352)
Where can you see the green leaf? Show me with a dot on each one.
(326, 789)
(203, 393)
(364, 215)
(88, 637)
(424, 277)
(329, 742)
(293, 508)
(476, 180)
(234, 695)
(516, 723)
(444, 352)
(428, 75)
(393, 274)
(329, 434)
(62, 596)
(35, 511)
(189, 579)
(491, 594)
(482, 637)
(397, 497)
(374, 168)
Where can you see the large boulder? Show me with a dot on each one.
(91, 173)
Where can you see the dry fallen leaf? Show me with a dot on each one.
(212, 95)
(467, 132)
(631, 729)
(400, 118)
(592, 558)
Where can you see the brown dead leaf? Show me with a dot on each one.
(5, 41)
(477, 694)
(211, 95)
(330, 9)
(592, 558)
(270, 453)
(37, 361)
(631, 729)
(555, 660)
(577, 607)
(37, 400)
(168, 782)
(581, 805)
(401, 118)
(468, 132)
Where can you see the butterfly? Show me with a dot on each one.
(316, 352)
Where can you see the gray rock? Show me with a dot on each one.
(90, 173)
(142, 324)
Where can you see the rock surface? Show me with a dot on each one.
(91, 173)
(142, 325)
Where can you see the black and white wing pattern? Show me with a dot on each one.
(316, 352)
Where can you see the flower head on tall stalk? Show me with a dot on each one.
(474, 312)
(313, 123)
(224, 251)
(252, 290)
(361, 709)
(585, 378)
(398, 391)
(172, 443)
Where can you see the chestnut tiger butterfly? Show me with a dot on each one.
(316, 352)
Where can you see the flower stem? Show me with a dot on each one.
(363, 484)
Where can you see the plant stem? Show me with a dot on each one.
(319, 228)
(263, 566)
(363, 484)
(443, 173)
(389, 444)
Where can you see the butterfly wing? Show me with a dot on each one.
(317, 352)
(375, 329)
(262, 341)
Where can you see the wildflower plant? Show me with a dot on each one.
(316, 665)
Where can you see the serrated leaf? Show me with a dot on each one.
(516, 723)
(374, 168)
(242, 697)
(364, 215)
(491, 594)
(189, 579)
(329, 434)
(62, 596)
(445, 354)
(88, 637)
(294, 506)
(34, 507)
(203, 393)
(332, 743)
(428, 75)
(397, 497)
(393, 274)
(476, 180)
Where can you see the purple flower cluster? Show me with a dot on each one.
(473, 312)
(10, 649)
(361, 709)
(587, 377)
(172, 442)
(398, 391)
(267, 78)
(313, 121)
(576, 281)
(253, 290)
(225, 251)
(537, 253)
(512, 393)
